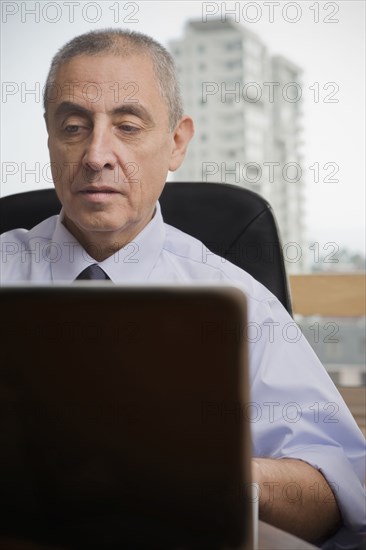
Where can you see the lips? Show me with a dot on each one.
(97, 190)
(99, 195)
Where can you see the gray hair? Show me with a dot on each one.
(124, 43)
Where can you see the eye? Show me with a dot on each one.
(129, 129)
(71, 128)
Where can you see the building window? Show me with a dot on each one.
(234, 45)
(362, 344)
(333, 351)
(233, 63)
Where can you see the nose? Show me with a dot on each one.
(99, 153)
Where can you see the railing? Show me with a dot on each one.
(339, 297)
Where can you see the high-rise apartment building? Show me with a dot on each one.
(246, 107)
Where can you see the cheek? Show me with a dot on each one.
(155, 163)
(56, 164)
(56, 157)
(150, 181)
(64, 163)
(152, 175)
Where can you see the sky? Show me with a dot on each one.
(326, 39)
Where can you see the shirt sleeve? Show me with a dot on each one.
(297, 412)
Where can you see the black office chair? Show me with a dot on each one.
(233, 222)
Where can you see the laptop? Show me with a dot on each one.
(123, 418)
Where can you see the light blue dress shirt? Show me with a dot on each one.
(296, 411)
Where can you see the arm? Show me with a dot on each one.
(298, 415)
(295, 497)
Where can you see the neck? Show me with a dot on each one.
(102, 249)
(100, 245)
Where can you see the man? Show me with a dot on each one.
(116, 126)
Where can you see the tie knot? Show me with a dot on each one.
(92, 272)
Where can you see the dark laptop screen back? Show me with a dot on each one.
(122, 417)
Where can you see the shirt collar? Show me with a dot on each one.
(131, 264)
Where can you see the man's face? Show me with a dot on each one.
(110, 144)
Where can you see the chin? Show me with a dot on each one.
(104, 227)
(90, 223)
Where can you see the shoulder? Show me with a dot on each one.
(22, 247)
(42, 231)
(194, 261)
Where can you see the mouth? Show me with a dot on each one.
(98, 193)
(101, 189)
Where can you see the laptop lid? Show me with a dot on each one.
(123, 418)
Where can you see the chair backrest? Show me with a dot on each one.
(231, 221)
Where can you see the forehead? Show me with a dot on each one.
(107, 79)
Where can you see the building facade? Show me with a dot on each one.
(247, 109)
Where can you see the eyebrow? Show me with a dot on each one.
(125, 109)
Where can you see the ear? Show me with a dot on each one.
(182, 135)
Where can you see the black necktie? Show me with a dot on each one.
(93, 273)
